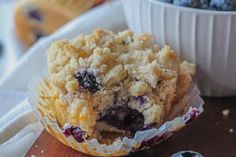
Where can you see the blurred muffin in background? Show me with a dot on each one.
(37, 18)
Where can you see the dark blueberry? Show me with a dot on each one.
(76, 132)
(226, 5)
(152, 141)
(38, 35)
(35, 15)
(67, 132)
(87, 81)
(124, 117)
(192, 3)
(1, 48)
(187, 154)
(168, 1)
(141, 100)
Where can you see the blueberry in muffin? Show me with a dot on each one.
(35, 14)
(112, 83)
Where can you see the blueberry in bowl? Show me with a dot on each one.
(1, 48)
(226, 5)
(192, 3)
(168, 1)
(220, 5)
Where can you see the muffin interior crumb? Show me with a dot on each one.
(225, 112)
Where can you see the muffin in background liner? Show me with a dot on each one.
(34, 19)
(187, 109)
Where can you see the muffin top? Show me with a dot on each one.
(115, 82)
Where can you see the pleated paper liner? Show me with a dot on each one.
(124, 145)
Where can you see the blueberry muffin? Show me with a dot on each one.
(37, 18)
(112, 83)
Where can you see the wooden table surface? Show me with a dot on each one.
(209, 135)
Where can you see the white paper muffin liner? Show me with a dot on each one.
(123, 146)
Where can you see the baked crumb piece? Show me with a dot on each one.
(36, 146)
(225, 112)
(231, 130)
(33, 155)
(42, 151)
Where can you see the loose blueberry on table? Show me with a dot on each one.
(187, 154)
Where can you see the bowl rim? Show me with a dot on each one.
(188, 9)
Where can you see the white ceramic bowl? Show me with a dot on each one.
(205, 37)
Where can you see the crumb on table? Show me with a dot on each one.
(225, 112)
(231, 130)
